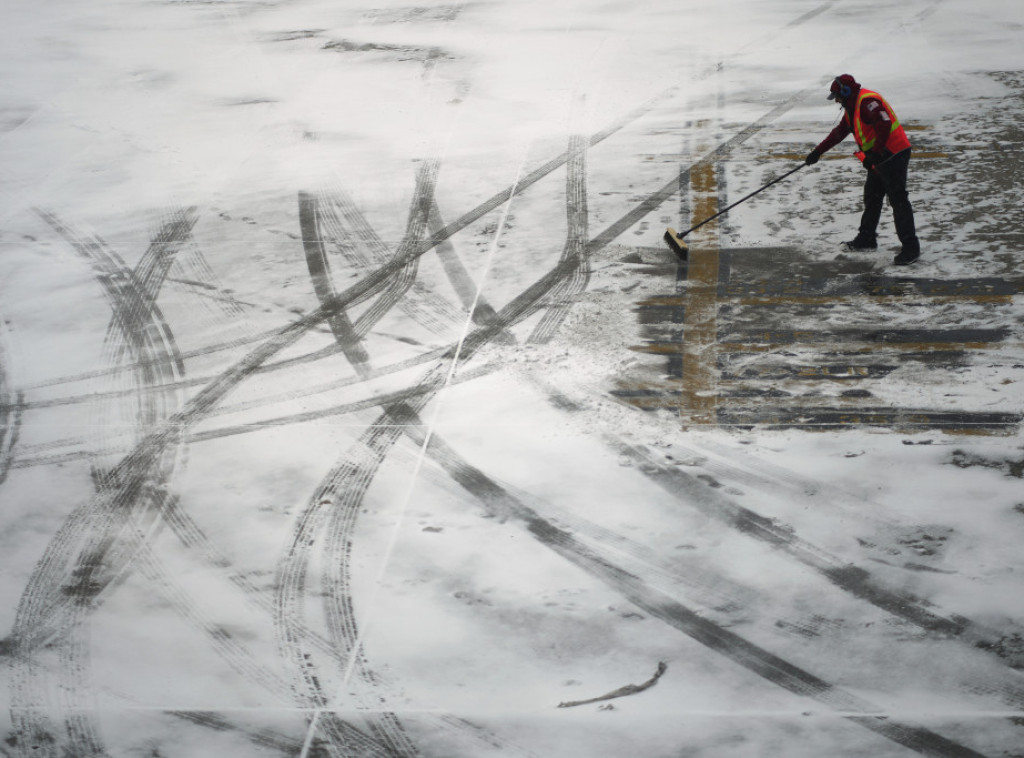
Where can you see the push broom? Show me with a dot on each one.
(674, 239)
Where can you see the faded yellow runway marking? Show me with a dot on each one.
(698, 400)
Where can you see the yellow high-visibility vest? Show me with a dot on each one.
(898, 139)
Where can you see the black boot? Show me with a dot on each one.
(907, 256)
(862, 242)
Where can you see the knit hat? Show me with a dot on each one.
(842, 87)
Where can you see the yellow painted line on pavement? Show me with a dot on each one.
(697, 400)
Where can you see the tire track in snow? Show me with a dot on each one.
(291, 583)
(136, 317)
(102, 562)
(705, 586)
(133, 545)
(377, 279)
(320, 273)
(138, 328)
(500, 503)
(362, 248)
(462, 282)
(346, 487)
(195, 381)
(293, 568)
(335, 507)
(138, 333)
(37, 455)
(356, 473)
(285, 420)
(167, 365)
(319, 516)
(145, 284)
(12, 403)
(846, 576)
(405, 279)
(387, 398)
(343, 492)
(200, 352)
(265, 738)
(575, 244)
(192, 537)
(330, 516)
(128, 477)
(520, 307)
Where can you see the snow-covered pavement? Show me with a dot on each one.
(351, 404)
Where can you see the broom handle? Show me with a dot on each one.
(742, 199)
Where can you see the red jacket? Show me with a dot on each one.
(874, 114)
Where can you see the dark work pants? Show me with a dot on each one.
(890, 178)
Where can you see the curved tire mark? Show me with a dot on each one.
(575, 244)
(56, 603)
(848, 577)
(498, 502)
(293, 569)
(460, 279)
(359, 243)
(320, 273)
(12, 404)
(127, 479)
(342, 493)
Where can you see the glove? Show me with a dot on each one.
(870, 161)
(812, 157)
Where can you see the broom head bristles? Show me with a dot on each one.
(675, 243)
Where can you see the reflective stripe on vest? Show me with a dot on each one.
(897, 137)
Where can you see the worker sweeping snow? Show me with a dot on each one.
(885, 151)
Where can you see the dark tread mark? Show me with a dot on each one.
(320, 273)
(343, 491)
(127, 479)
(323, 513)
(850, 578)
(465, 288)
(378, 279)
(761, 662)
(37, 455)
(520, 307)
(266, 738)
(500, 503)
(353, 477)
(360, 245)
(12, 404)
(104, 554)
(90, 552)
(575, 244)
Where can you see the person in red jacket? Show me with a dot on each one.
(885, 151)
